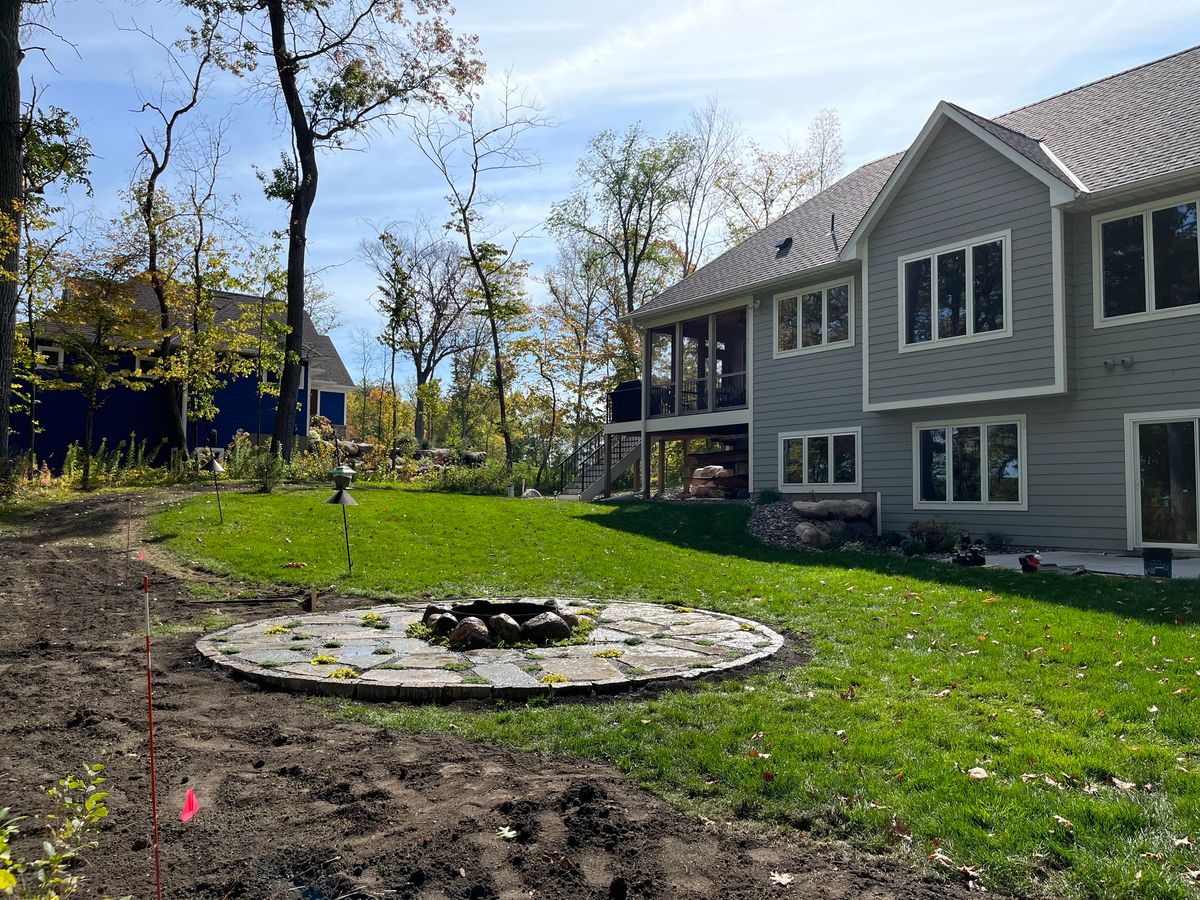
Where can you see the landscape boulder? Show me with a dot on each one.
(834, 509)
(546, 629)
(812, 536)
(442, 624)
(471, 634)
(505, 628)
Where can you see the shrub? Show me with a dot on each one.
(493, 478)
(930, 537)
(79, 812)
(769, 496)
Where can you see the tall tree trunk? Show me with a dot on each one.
(395, 404)
(10, 206)
(301, 206)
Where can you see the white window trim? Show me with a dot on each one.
(41, 348)
(139, 358)
(1099, 320)
(817, 488)
(823, 287)
(1133, 481)
(1021, 505)
(1005, 237)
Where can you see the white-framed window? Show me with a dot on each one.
(978, 463)
(145, 364)
(814, 318)
(1162, 479)
(1146, 262)
(49, 356)
(822, 461)
(956, 293)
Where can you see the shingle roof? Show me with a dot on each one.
(1124, 128)
(756, 259)
(1028, 147)
(324, 362)
(1115, 131)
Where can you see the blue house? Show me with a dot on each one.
(324, 386)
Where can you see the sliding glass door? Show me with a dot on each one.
(1167, 471)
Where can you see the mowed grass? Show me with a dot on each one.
(1075, 694)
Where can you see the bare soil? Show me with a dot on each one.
(296, 805)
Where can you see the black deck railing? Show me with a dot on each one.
(625, 403)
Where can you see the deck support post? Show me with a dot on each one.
(607, 466)
(662, 467)
(645, 468)
(683, 466)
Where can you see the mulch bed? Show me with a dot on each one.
(296, 805)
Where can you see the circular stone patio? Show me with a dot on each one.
(365, 653)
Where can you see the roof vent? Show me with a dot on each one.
(782, 247)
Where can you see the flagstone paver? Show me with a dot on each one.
(633, 644)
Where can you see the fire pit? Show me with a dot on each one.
(501, 623)
(536, 647)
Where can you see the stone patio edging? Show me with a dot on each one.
(633, 644)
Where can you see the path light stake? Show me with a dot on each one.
(342, 476)
(216, 468)
(150, 720)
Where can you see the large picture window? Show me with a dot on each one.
(1147, 262)
(956, 293)
(814, 318)
(977, 463)
(821, 461)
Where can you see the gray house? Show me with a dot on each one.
(998, 327)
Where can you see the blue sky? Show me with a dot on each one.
(773, 63)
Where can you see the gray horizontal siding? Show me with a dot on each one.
(805, 392)
(1075, 460)
(961, 189)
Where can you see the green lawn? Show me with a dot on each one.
(1076, 695)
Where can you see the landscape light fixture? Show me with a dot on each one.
(216, 469)
(342, 476)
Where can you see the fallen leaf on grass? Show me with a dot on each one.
(294, 565)
(783, 878)
(505, 833)
(978, 773)
(1185, 841)
(1193, 874)
(1122, 785)
(755, 754)
(1065, 823)
(768, 777)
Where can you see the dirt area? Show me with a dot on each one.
(295, 805)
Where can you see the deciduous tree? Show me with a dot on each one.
(340, 68)
(466, 148)
(423, 298)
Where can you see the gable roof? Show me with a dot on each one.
(756, 260)
(324, 362)
(1106, 135)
